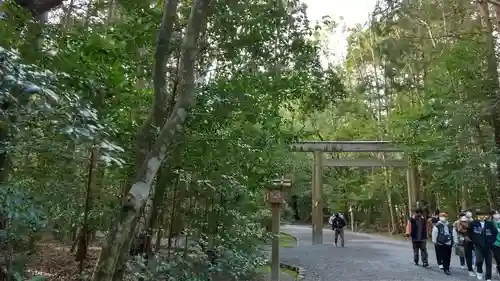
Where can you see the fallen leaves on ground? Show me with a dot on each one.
(54, 261)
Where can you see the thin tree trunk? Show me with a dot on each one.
(81, 253)
(172, 218)
(464, 195)
(67, 15)
(164, 179)
(111, 11)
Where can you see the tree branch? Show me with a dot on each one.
(38, 7)
(146, 132)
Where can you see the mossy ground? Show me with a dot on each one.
(266, 269)
(286, 241)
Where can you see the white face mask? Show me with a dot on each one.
(443, 219)
(468, 214)
(463, 218)
(496, 216)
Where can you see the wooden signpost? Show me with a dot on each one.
(275, 196)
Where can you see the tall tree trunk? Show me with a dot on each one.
(161, 108)
(163, 182)
(489, 176)
(493, 83)
(463, 194)
(142, 187)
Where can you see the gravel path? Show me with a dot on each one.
(365, 257)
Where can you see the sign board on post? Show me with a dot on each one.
(275, 196)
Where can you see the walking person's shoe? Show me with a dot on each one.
(472, 274)
(447, 272)
(479, 276)
(425, 264)
(463, 267)
(440, 266)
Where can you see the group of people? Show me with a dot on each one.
(475, 238)
(337, 221)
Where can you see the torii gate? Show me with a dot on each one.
(319, 147)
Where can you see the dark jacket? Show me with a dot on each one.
(417, 228)
(483, 237)
(338, 222)
(434, 220)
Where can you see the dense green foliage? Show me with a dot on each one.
(93, 91)
(77, 95)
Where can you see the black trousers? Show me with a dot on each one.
(468, 249)
(443, 255)
(496, 255)
(483, 255)
(420, 246)
(437, 254)
(339, 232)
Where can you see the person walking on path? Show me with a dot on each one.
(468, 245)
(461, 237)
(484, 234)
(417, 230)
(496, 245)
(442, 237)
(338, 224)
(430, 226)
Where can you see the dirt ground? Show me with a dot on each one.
(54, 261)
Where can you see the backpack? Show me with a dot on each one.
(443, 238)
(338, 222)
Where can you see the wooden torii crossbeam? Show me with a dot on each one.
(345, 146)
(319, 147)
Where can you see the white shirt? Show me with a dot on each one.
(330, 221)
